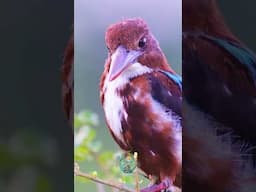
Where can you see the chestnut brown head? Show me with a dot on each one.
(131, 41)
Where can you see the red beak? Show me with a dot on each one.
(120, 60)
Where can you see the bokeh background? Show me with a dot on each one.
(91, 20)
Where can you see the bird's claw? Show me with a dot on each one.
(164, 185)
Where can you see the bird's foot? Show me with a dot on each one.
(165, 185)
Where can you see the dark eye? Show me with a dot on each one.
(142, 42)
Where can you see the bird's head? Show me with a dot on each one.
(129, 42)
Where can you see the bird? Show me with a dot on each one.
(219, 71)
(141, 96)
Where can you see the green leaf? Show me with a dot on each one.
(81, 153)
(106, 157)
(81, 180)
(128, 179)
(77, 122)
(91, 135)
(85, 136)
(115, 170)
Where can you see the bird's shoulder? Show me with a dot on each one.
(164, 87)
(157, 80)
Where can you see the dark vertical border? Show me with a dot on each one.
(36, 143)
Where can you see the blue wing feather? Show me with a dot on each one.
(174, 77)
(161, 93)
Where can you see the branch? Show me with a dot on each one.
(136, 173)
(108, 183)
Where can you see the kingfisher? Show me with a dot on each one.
(219, 70)
(141, 96)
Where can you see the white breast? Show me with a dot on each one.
(113, 105)
(114, 109)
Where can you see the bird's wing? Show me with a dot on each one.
(166, 89)
(219, 78)
(242, 54)
(174, 77)
(234, 64)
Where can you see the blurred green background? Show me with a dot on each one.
(91, 20)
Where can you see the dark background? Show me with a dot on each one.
(33, 36)
(240, 17)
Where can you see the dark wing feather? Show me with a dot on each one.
(166, 89)
(243, 55)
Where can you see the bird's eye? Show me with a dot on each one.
(109, 50)
(142, 42)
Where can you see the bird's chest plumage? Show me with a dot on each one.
(113, 103)
(141, 123)
(114, 110)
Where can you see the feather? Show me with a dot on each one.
(164, 94)
(243, 55)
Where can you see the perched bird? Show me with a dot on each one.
(141, 96)
(219, 71)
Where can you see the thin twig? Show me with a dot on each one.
(137, 187)
(108, 183)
